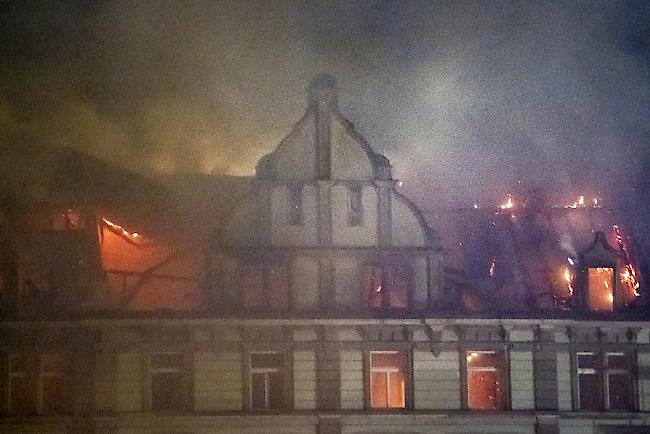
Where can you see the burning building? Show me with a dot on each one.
(313, 297)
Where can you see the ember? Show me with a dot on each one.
(508, 204)
(119, 230)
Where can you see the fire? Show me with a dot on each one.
(508, 204)
(492, 268)
(581, 202)
(628, 275)
(120, 230)
(568, 277)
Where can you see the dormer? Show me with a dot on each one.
(598, 281)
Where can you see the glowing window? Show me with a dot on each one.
(267, 380)
(618, 382)
(355, 205)
(600, 282)
(589, 390)
(485, 380)
(385, 287)
(388, 373)
(168, 382)
(295, 205)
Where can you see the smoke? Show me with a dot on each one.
(469, 100)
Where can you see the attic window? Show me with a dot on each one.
(295, 205)
(355, 205)
(265, 286)
(385, 286)
(600, 284)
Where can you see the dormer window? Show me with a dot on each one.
(355, 205)
(600, 288)
(295, 205)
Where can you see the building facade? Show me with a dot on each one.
(320, 303)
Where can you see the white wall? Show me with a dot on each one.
(295, 157)
(284, 234)
(218, 381)
(304, 380)
(342, 233)
(407, 230)
(352, 388)
(522, 385)
(349, 160)
(436, 380)
(346, 282)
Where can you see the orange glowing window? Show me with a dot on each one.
(388, 374)
(600, 283)
(385, 287)
(485, 380)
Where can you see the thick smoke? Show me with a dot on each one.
(467, 99)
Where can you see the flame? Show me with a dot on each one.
(581, 202)
(628, 275)
(492, 268)
(569, 279)
(120, 230)
(509, 204)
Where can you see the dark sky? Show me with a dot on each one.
(469, 100)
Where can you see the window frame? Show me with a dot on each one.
(286, 380)
(295, 205)
(185, 371)
(505, 370)
(407, 351)
(35, 374)
(355, 197)
(406, 272)
(603, 372)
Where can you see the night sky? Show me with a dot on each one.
(469, 100)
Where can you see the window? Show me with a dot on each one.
(486, 380)
(388, 373)
(267, 381)
(169, 388)
(618, 382)
(588, 382)
(295, 205)
(36, 384)
(613, 391)
(265, 286)
(355, 205)
(385, 287)
(600, 284)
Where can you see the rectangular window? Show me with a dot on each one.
(22, 390)
(485, 380)
(355, 205)
(52, 384)
(600, 284)
(388, 374)
(589, 390)
(168, 381)
(618, 382)
(36, 384)
(295, 205)
(267, 381)
(385, 286)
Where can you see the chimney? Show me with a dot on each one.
(322, 93)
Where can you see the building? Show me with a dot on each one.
(312, 298)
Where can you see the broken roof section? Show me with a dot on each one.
(522, 259)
